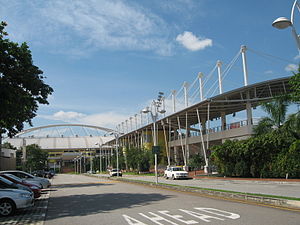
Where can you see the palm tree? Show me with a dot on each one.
(276, 110)
(292, 125)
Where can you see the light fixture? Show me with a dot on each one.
(282, 23)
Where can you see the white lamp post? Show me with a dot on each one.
(154, 115)
(100, 157)
(282, 23)
(117, 135)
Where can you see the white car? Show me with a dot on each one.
(175, 173)
(115, 172)
(28, 177)
(13, 199)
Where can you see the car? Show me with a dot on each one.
(35, 188)
(13, 199)
(43, 173)
(28, 177)
(115, 172)
(175, 172)
(5, 183)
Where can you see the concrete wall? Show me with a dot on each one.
(7, 159)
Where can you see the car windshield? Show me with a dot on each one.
(13, 177)
(6, 181)
(177, 169)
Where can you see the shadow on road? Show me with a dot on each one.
(79, 185)
(85, 204)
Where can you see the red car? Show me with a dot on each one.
(35, 189)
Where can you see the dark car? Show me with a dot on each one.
(34, 188)
(43, 173)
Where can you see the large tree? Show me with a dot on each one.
(295, 86)
(22, 87)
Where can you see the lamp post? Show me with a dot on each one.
(117, 135)
(157, 104)
(100, 156)
(282, 23)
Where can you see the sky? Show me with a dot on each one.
(107, 59)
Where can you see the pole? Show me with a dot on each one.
(155, 143)
(117, 152)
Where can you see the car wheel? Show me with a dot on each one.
(7, 207)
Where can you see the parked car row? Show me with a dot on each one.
(18, 190)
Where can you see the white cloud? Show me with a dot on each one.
(107, 119)
(291, 67)
(193, 43)
(268, 72)
(80, 27)
(67, 116)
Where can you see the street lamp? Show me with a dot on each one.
(282, 23)
(100, 158)
(117, 135)
(157, 104)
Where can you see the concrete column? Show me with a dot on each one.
(249, 110)
(186, 97)
(174, 100)
(223, 120)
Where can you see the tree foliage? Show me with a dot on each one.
(21, 85)
(139, 159)
(196, 161)
(295, 86)
(272, 154)
(36, 158)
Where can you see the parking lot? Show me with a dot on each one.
(34, 215)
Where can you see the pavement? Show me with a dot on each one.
(278, 192)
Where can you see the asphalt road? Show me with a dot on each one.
(77, 199)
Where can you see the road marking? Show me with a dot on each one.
(203, 214)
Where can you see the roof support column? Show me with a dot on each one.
(206, 169)
(243, 50)
(223, 121)
(249, 110)
(200, 77)
(187, 147)
(219, 64)
(166, 143)
(202, 140)
(181, 141)
(186, 97)
(174, 100)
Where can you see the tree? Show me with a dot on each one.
(196, 161)
(276, 110)
(295, 86)
(21, 85)
(36, 158)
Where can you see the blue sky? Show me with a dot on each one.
(107, 59)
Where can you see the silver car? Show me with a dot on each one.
(28, 177)
(13, 199)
